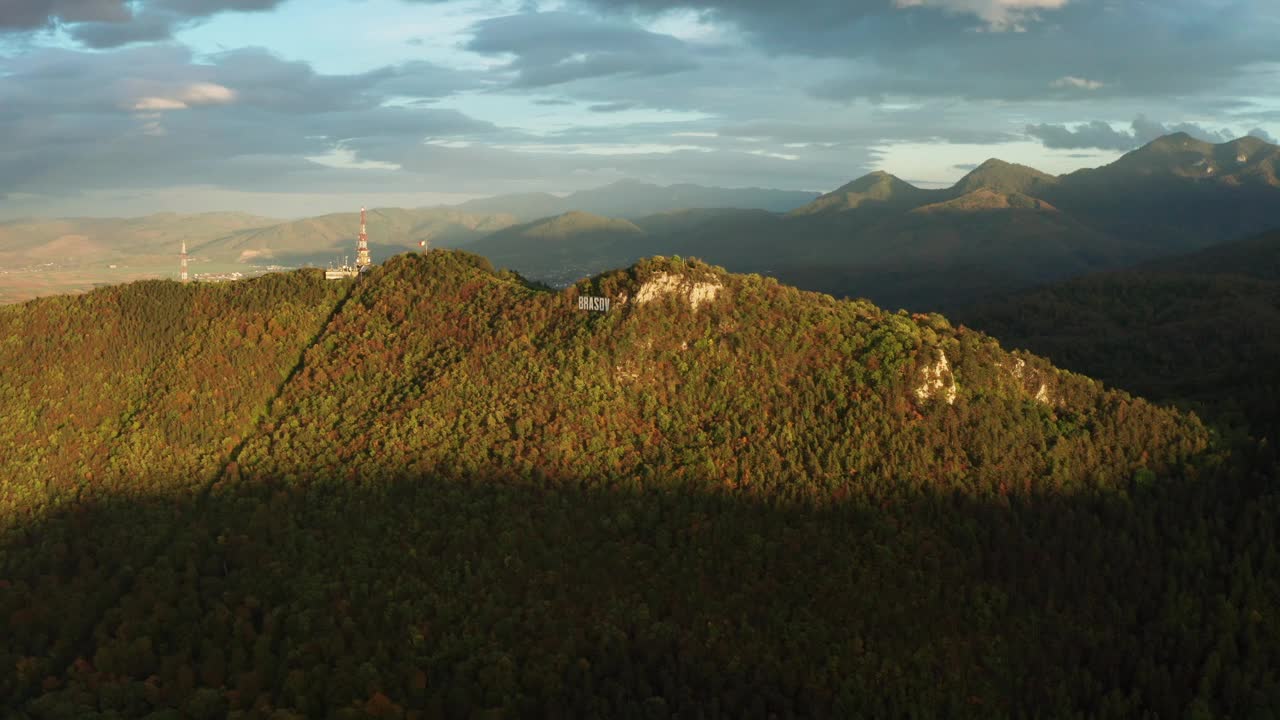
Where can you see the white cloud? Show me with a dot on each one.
(601, 148)
(999, 15)
(346, 159)
(201, 93)
(779, 156)
(208, 94)
(159, 103)
(1079, 83)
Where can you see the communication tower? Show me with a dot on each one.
(363, 263)
(184, 261)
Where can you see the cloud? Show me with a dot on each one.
(155, 103)
(199, 93)
(145, 27)
(999, 15)
(1073, 82)
(37, 14)
(612, 107)
(929, 48)
(1102, 136)
(113, 23)
(551, 48)
(1096, 134)
(247, 120)
(1263, 135)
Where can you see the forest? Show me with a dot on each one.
(445, 492)
(1199, 331)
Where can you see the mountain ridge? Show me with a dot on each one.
(630, 199)
(439, 487)
(866, 238)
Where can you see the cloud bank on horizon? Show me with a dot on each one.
(285, 107)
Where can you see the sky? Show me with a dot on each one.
(288, 108)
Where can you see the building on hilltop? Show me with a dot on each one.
(363, 263)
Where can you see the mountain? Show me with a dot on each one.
(878, 189)
(1002, 227)
(633, 199)
(521, 206)
(985, 198)
(441, 491)
(1201, 329)
(1006, 178)
(1005, 227)
(1241, 161)
(561, 248)
(97, 240)
(877, 237)
(320, 240)
(75, 254)
(47, 257)
(1255, 257)
(1177, 194)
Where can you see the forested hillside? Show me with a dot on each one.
(443, 492)
(1202, 329)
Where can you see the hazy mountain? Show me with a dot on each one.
(323, 239)
(562, 248)
(98, 240)
(522, 206)
(691, 220)
(1003, 226)
(632, 199)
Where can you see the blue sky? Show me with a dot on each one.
(293, 108)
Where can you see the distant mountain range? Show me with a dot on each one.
(633, 199)
(97, 240)
(1001, 227)
(154, 240)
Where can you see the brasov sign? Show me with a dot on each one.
(596, 304)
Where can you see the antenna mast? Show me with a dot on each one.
(362, 247)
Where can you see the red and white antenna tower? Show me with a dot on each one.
(362, 247)
(184, 261)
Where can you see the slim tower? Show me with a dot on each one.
(184, 261)
(362, 248)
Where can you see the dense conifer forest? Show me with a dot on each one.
(1201, 331)
(443, 492)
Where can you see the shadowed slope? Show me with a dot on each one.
(724, 496)
(1201, 328)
